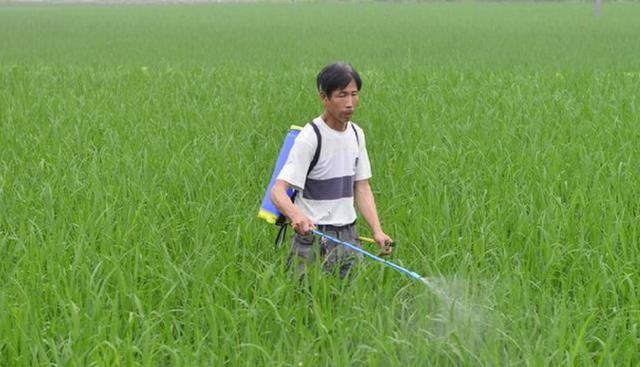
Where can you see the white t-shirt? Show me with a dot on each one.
(326, 196)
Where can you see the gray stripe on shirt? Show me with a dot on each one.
(331, 189)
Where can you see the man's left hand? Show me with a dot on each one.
(384, 242)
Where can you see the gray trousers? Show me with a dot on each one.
(334, 256)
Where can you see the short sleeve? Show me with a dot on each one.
(295, 169)
(363, 170)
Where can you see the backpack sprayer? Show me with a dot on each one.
(270, 213)
(268, 210)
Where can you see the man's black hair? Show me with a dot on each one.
(337, 76)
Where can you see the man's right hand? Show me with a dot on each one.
(302, 225)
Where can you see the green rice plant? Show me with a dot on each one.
(138, 140)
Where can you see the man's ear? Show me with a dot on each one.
(323, 96)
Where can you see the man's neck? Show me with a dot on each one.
(333, 123)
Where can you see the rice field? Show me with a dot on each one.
(137, 142)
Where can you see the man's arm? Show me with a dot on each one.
(367, 206)
(283, 203)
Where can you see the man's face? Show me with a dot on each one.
(342, 103)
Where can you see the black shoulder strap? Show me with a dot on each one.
(355, 132)
(316, 155)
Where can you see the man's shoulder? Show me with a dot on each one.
(307, 134)
(359, 130)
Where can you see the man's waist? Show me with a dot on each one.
(333, 227)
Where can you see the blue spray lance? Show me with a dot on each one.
(429, 282)
(372, 256)
(437, 290)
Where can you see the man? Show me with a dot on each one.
(340, 172)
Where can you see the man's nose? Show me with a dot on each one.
(350, 101)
